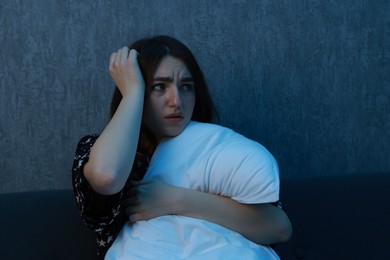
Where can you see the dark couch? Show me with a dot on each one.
(333, 218)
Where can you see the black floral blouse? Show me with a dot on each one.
(103, 214)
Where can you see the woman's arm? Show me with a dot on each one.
(112, 155)
(260, 223)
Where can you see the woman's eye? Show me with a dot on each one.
(187, 87)
(158, 87)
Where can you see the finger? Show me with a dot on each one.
(112, 59)
(117, 57)
(132, 210)
(133, 55)
(130, 202)
(124, 54)
(141, 182)
(135, 183)
(135, 217)
(132, 192)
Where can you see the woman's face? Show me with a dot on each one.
(168, 109)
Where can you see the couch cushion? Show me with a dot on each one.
(43, 225)
(337, 217)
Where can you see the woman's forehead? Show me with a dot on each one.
(170, 66)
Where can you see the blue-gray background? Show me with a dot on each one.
(308, 79)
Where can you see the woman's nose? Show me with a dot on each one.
(174, 99)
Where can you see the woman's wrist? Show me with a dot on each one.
(188, 202)
(132, 93)
(181, 201)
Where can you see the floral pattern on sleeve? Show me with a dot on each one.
(103, 214)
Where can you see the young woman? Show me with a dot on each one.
(161, 96)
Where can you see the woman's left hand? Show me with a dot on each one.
(150, 199)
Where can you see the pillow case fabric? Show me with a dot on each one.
(208, 158)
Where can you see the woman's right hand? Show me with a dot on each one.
(150, 199)
(125, 71)
(112, 155)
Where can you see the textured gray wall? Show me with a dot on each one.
(308, 79)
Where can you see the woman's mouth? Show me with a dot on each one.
(174, 117)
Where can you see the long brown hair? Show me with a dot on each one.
(151, 52)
